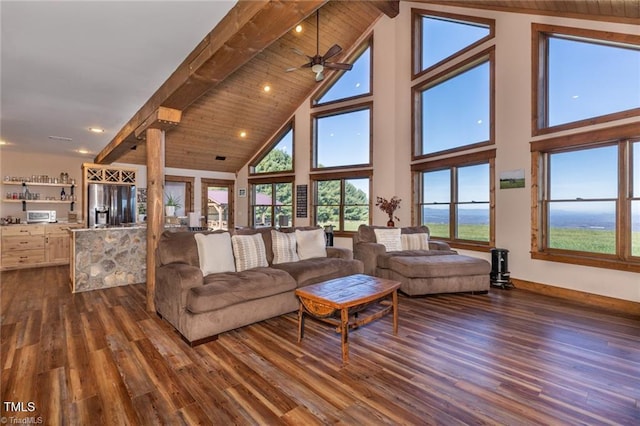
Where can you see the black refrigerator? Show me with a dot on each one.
(110, 204)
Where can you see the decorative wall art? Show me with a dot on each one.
(512, 179)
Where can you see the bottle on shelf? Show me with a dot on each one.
(63, 195)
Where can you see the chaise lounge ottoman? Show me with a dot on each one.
(422, 266)
(451, 273)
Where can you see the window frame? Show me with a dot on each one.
(342, 177)
(623, 136)
(450, 163)
(273, 181)
(333, 112)
(540, 34)
(416, 40)
(205, 183)
(337, 74)
(269, 146)
(487, 55)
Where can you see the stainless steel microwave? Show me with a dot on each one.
(41, 216)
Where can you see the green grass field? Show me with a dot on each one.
(589, 240)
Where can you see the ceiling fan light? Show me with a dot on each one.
(317, 68)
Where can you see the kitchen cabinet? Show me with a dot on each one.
(57, 243)
(26, 246)
(22, 246)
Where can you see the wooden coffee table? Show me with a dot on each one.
(361, 298)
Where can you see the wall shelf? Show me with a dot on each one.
(6, 200)
(59, 185)
(27, 184)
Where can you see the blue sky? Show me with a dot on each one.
(585, 80)
(352, 83)
(588, 80)
(439, 40)
(344, 139)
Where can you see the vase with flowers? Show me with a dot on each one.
(389, 207)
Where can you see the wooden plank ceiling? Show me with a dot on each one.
(210, 126)
(219, 87)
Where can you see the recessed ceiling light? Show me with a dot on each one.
(266, 88)
(96, 130)
(243, 134)
(3, 143)
(83, 151)
(298, 28)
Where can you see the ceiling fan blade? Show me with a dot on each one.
(338, 66)
(333, 51)
(299, 52)
(307, 65)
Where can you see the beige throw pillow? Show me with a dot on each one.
(418, 241)
(311, 244)
(389, 238)
(215, 253)
(284, 247)
(249, 251)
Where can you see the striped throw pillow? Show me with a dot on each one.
(284, 247)
(418, 241)
(249, 251)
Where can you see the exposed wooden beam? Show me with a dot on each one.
(245, 31)
(390, 8)
(163, 119)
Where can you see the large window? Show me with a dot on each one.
(271, 204)
(343, 138)
(456, 112)
(588, 200)
(455, 201)
(342, 202)
(444, 36)
(580, 205)
(584, 77)
(278, 157)
(353, 83)
(453, 117)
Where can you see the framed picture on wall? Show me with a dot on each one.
(242, 192)
(512, 179)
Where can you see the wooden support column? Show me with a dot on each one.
(155, 210)
(153, 129)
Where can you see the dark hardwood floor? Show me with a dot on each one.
(509, 357)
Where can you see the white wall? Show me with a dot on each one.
(26, 164)
(392, 141)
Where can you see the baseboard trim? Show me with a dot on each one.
(620, 305)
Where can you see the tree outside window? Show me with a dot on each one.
(342, 203)
(272, 204)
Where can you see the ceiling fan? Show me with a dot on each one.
(318, 63)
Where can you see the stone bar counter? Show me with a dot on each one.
(108, 257)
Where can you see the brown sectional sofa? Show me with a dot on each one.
(200, 307)
(437, 269)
